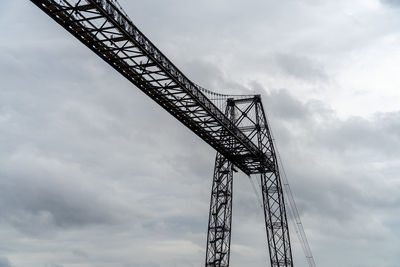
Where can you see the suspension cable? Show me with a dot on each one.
(293, 211)
(292, 207)
(256, 192)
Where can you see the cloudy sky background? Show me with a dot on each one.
(93, 173)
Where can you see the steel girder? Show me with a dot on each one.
(108, 32)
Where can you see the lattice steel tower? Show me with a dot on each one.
(248, 115)
(235, 126)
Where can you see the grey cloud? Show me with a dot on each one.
(284, 106)
(99, 175)
(80, 253)
(394, 3)
(209, 75)
(301, 67)
(379, 134)
(4, 262)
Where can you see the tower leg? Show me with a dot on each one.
(273, 201)
(220, 217)
(276, 221)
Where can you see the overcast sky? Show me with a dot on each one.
(94, 174)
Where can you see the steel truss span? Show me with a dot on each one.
(107, 31)
(238, 132)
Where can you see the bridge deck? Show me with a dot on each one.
(106, 30)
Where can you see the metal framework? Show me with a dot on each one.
(248, 115)
(108, 32)
(220, 217)
(273, 201)
(240, 133)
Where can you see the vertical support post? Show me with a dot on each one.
(220, 216)
(273, 200)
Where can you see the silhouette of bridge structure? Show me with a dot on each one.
(234, 125)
